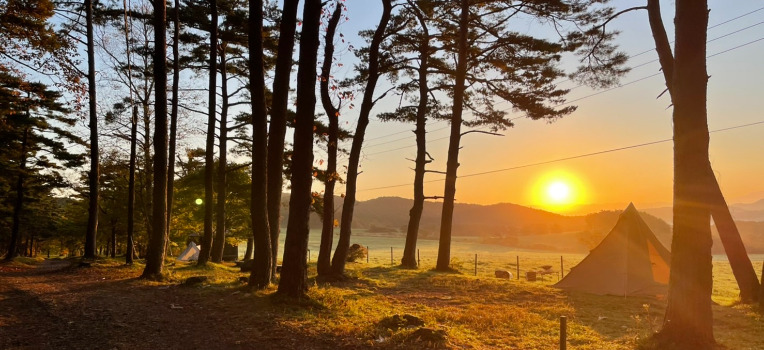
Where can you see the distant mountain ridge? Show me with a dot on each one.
(753, 211)
(513, 225)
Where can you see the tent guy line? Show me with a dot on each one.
(611, 150)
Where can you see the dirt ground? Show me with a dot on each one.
(55, 306)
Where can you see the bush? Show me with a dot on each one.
(356, 252)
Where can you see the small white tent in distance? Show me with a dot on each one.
(190, 254)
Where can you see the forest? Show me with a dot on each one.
(129, 129)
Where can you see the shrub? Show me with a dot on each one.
(356, 252)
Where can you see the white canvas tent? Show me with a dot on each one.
(190, 254)
(629, 261)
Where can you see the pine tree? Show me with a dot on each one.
(278, 122)
(372, 75)
(688, 323)
(294, 273)
(333, 113)
(493, 61)
(157, 240)
(740, 263)
(34, 127)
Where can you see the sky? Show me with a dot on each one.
(506, 169)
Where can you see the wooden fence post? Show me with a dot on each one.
(563, 333)
(518, 267)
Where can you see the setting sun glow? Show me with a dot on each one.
(558, 191)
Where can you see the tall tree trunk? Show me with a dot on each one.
(452, 164)
(279, 100)
(131, 189)
(741, 264)
(739, 260)
(218, 244)
(294, 273)
(415, 214)
(688, 321)
(173, 112)
(133, 145)
(155, 256)
(262, 270)
(340, 254)
(93, 174)
(209, 157)
(327, 230)
(147, 173)
(19, 204)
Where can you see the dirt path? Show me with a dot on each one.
(55, 306)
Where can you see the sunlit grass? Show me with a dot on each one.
(479, 312)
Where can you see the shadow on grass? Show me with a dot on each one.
(617, 317)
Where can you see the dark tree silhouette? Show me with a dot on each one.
(209, 158)
(688, 322)
(324, 265)
(93, 174)
(32, 132)
(446, 219)
(278, 112)
(493, 61)
(261, 271)
(409, 259)
(741, 264)
(372, 75)
(173, 110)
(130, 250)
(157, 240)
(130, 244)
(294, 273)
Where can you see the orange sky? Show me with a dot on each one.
(622, 117)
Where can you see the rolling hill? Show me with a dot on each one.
(505, 224)
(523, 227)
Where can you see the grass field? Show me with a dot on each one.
(479, 311)
(496, 257)
(472, 311)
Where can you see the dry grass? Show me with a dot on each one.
(477, 312)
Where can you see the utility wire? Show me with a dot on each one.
(557, 160)
(580, 85)
(574, 100)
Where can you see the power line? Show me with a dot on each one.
(580, 98)
(557, 160)
(736, 47)
(631, 56)
(403, 138)
(655, 74)
(711, 27)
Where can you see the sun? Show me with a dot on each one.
(559, 192)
